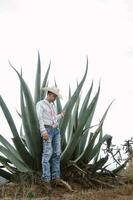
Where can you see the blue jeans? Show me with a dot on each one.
(51, 155)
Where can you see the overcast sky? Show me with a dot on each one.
(65, 32)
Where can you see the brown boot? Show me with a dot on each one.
(60, 182)
(46, 186)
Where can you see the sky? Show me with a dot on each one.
(66, 32)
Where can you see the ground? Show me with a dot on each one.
(17, 191)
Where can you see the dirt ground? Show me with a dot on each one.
(15, 191)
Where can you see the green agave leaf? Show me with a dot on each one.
(70, 124)
(18, 113)
(38, 80)
(30, 142)
(23, 138)
(100, 138)
(83, 140)
(20, 165)
(5, 174)
(75, 126)
(118, 169)
(85, 102)
(44, 84)
(109, 142)
(99, 164)
(103, 118)
(97, 147)
(74, 119)
(32, 118)
(6, 165)
(84, 156)
(8, 117)
(69, 106)
(88, 149)
(26, 157)
(78, 134)
(75, 114)
(58, 102)
(7, 160)
(13, 127)
(10, 147)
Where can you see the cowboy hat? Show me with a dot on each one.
(54, 90)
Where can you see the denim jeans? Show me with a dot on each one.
(51, 155)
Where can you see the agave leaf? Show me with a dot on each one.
(69, 106)
(8, 117)
(100, 137)
(8, 167)
(78, 134)
(20, 165)
(58, 102)
(83, 140)
(10, 147)
(118, 169)
(75, 126)
(109, 142)
(69, 129)
(26, 124)
(88, 149)
(12, 125)
(18, 113)
(103, 118)
(85, 102)
(70, 124)
(99, 164)
(91, 142)
(5, 174)
(38, 80)
(27, 158)
(43, 92)
(14, 131)
(32, 118)
(97, 147)
(74, 119)
(23, 138)
(75, 113)
(6, 160)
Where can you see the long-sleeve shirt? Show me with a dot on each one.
(47, 114)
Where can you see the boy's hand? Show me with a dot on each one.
(62, 114)
(45, 136)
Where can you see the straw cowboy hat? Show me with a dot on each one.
(54, 90)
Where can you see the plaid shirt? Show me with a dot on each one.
(47, 114)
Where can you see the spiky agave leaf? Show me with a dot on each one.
(30, 142)
(32, 119)
(58, 102)
(38, 80)
(44, 84)
(6, 164)
(69, 106)
(5, 174)
(66, 155)
(21, 148)
(21, 166)
(90, 151)
(100, 137)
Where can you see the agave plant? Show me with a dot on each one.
(79, 145)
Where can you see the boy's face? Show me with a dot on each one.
(52, 97)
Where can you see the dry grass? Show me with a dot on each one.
(15, 191)
(25, 191)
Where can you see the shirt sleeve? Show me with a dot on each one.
(58, 117)
(39, 110)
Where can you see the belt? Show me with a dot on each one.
(49, 126)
